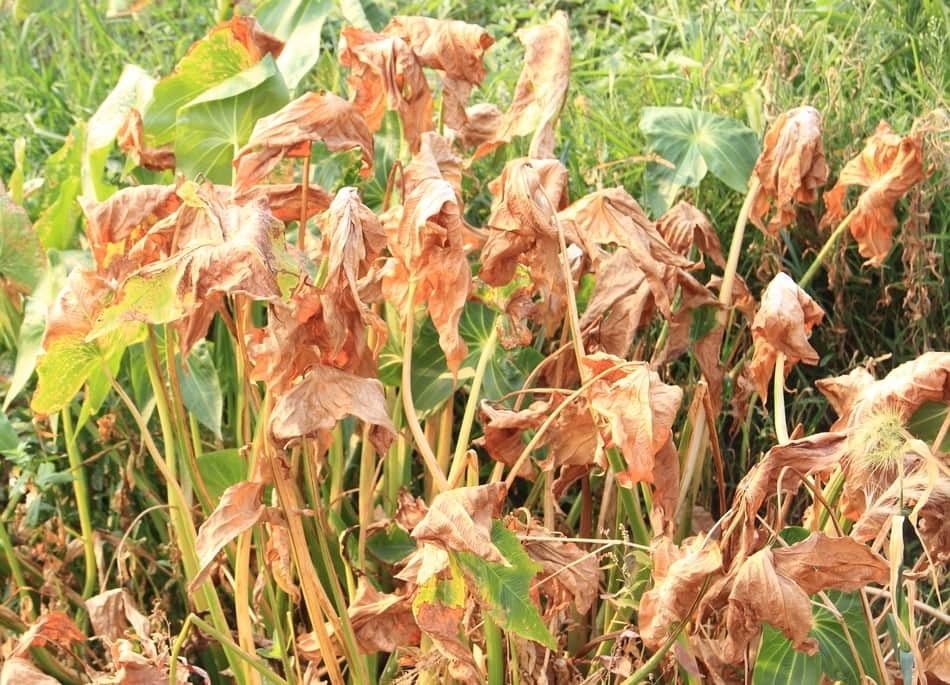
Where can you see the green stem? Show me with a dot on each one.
(629, 500)
(471, 405)
(81, 490)
(15, 569)
(495, 653)
(735, 251)
(825, 250)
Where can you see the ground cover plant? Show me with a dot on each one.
(543, 344)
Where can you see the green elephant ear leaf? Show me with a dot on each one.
(298, 23)
(694, 142)
(212, 127)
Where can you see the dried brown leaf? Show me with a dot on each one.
(888, 166)
(684, 226)
(541, 89)
(290, 131)
(821, 563)
(382, 622)
(324, 396)
(112, 612)
(278, 557)
(790, 169)
(17, 671)
(453, 47)
(239, 510)
(385, 73)
(131, 140)
(285, 200)
(460, 521)
(783, 323)
(54, 627)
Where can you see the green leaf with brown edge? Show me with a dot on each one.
(213, 59)
(213, 126)
(506, 591)
(22, 260)
(146, 297)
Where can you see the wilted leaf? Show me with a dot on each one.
(313, 117)
(823, 563)
(679, 576)
(382, 622)
(112, 612)
(790, 169)
(635, 410)
(684, 226)
(455, 48)
(285, 200)
(783, 323)
(505, 589)
(461, 520)
(385, 73)
(888, 167)
(326, 395)
(53, 627)
(540, 91)
(22, 258)
(240, 509)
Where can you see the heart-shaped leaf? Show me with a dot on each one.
(298, 23)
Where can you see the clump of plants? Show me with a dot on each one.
(389, 403)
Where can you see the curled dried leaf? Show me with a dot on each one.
(790, 169)
(783, 323)
(289, 132)
(382, 622)
(888, 166)
(684, 226)
(112, 612)
(460, 520)
(821, 563)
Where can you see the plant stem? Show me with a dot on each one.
(81, 490)
(494, 653)
(825, 250)
(735, 251)
(778, 394)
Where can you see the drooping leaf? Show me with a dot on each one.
(226, 51)
(298, 23)
(212, 127)
(505, 589)
(541, 89)
(790, 169)
(461, 520)
(783, 324)
(888, 166)
(22, 259)
(239, 509)
(694, 142)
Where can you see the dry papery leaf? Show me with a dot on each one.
(290, 131)
(790, 169)
(53, 627)
(540, 91)
(442, 624)
(684, 226)
(324, 396)
(131, 140)
(569, 574)
(937, 663)
(385, 73)
(17, 670)
(679, 574)
(635, 410)
(277, 556)
(112, 612)
(888, 166)
(455, 48)
(135, 668)
(521, 230)
(773, 586)
(460, 520)
(428, 250)
(382, 622)
(285, 200)
(783, 323)
(240, 508)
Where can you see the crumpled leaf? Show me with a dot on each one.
(568, 574)
(112, 611)
(635, 410)
(240, 508)
(790, 168)
(460, 520)
(455, 48)
(683, 226)
(54, 627)
(522, 230)
(679, 574)
(385, 73)
(428, 248)
(289, 132)
(540, 91)
(888, 166)
(783, 323)
(382, 622)
(324, 396)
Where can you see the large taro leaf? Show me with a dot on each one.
(431, 379)
(694, 142)
(22, 259)
(298, 23)
(778, 663)
(506, 590)
(213, 59)
(212, 127)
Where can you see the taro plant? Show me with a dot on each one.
(375, 437)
